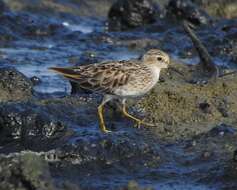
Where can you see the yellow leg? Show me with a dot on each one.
(101, 118)
(139, 121)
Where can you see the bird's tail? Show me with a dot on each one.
(66, 72)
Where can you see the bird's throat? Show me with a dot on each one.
(155, 71)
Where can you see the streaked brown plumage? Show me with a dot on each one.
(119, 79)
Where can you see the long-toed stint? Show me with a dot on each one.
(119, 79)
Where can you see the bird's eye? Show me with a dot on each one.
(159, 58)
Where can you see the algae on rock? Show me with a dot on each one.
(177, 102)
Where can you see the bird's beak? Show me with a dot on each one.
(176, 70)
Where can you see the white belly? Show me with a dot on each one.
(136, 90)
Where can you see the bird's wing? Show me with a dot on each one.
(103, 77)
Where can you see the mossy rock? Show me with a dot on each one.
(25, 171)
(178, 103)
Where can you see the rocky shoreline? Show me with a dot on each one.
(52, 140)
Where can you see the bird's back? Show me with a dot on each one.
(106, 77)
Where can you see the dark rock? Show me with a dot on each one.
(40, 26)
(220, 39)
(14, 85)
(235, 156)
(223, 108)
(29, 124)
(97, 155)
(205, 107)
(206, 155)
(76, 89)
(220, 8)
(185, 9)
(207, 69)
(35, 80)
(125, 14)
(93, 8)
(121, 149)
(172, 97)
(222, 130)
(87, 57)
(3, 7)
(18, 25)
(24, 172)
(6, 34)
(133, 185)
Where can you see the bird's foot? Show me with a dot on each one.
(142, 122)
(106, 131)
(103, 129)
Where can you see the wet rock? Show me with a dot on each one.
(122, 149)
(170, 103)
(185, 9)
(206, 155)
(29, 124)
(102, 156)
(3, 7)
(27, 171)
(14, 85)
(87, 57)
(24, 172)
(35, 80)
(18, 25)
(220, 8)
(7, 35)
(235, 156)
(229, 30)
(230, 174)
(76, 89)
(133, 185)
(125, 15)
(205, 107)
(220, 40)
(222, 130)
(42, 30)
(62, 8)
(207, 69)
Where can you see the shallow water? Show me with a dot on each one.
(181, 185)
(34, 57)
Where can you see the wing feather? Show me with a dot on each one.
(103, 77)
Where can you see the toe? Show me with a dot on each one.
(106, 131)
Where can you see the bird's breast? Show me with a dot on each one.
(139, 85)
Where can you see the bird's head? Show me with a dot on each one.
(156, 57)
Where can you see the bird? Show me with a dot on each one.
(119, 80)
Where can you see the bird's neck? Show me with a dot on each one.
(155, 71)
